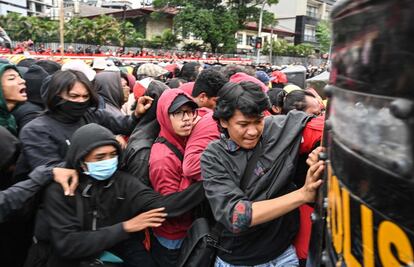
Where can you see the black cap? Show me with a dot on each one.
(179, 101)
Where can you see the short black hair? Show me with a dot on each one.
(175, 82)
(189, 71)
(294, 100)
(273, 97)
(231, 69)
(210, 81)
(247, 97)
(63, 81)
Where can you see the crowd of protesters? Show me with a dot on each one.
(28, 47)
(112, 162)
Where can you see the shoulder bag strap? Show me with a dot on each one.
(173, 148)
(79, 208)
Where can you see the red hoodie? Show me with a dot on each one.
(165, 171)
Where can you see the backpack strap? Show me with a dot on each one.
(79, 208)
(173, 148)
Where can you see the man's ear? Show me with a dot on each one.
(224, 123)
(203, 97)
(83, 166)
(276, 110)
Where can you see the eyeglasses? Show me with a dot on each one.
(181, 114)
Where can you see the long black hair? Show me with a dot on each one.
(63, 81)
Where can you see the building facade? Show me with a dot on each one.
(16, 6)
(39, 8)
(302, 17)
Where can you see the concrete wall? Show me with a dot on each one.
(156, 27)
(279, 60)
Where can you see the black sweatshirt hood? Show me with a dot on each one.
(84, 140)
(108, 85)
(34, 78)
(9, 147)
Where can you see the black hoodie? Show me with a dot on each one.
(34, 106)
(137, 153)
(108, 85)
(106, 204)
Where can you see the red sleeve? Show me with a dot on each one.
(312, 134)
(203, 133)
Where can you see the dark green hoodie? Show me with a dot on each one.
(6, 118)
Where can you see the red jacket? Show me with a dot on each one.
(165, 170)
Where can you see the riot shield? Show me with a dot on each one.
(369, 138)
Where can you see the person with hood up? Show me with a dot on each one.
(34, 105)
(103, 213)
(71, 103)
(15, 199)
(176, 113)
(127, 81)
(108, 85)
(12, 93)
(137, 153)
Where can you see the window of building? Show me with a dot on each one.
(249, 39)
(310, 33)
(312, 11)
(239, 38)
(38, 7)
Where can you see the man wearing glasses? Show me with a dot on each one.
(176, 114)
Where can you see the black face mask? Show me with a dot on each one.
(69, 111)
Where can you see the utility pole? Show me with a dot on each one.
(123, 28)
(61, 28)
(271, 45)
(259, 31)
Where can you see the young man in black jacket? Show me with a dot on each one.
(259, 214)
(103, 214)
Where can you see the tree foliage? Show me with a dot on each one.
(216, 21)
(283, 48)
(166, 40)
(104, 30)
(323, 35)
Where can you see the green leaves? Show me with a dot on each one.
(166, 40)
(323, 35)
(283, 48)
(104, 30)
(215, 21)
(207, 20)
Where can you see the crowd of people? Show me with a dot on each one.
(28, 47)
(105, 163)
